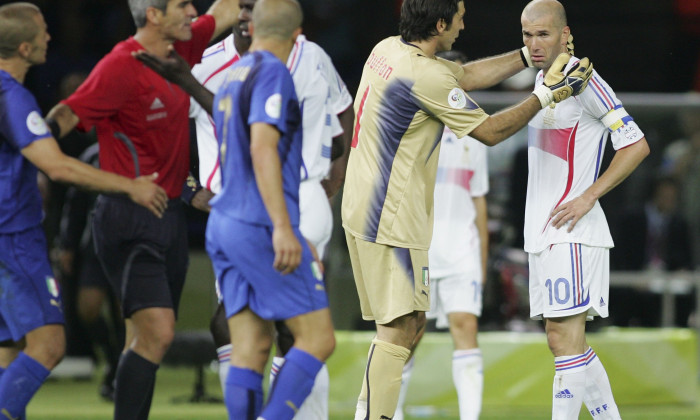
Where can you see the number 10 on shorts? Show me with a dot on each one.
(559, 290)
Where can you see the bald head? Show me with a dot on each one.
(538, 9)
(17, 25)
(276, 18)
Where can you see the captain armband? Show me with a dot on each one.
(616, 118)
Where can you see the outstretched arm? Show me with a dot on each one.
(225, 14)
(486, 72)
(47, 156)
(175, 69)
(622, 164)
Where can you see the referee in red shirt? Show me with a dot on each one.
(142, 127)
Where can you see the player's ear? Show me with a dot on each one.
(24, 49)
(153, 15)
(565, 32)
(441, 26)
(296, 33)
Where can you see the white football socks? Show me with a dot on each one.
(468, 377)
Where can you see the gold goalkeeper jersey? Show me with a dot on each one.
(403, 102)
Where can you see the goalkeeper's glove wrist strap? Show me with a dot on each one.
(544, 94)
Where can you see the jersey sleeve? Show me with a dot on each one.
(600, 102)
(340, 98)
(202, 31)
(271, 92)
(479, 184)
(438, 93)
(105, 90)
(23, 120)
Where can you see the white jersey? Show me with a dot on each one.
(565, 151)
(462, 174)
(321, 92)
(211, 72)
(322, 96)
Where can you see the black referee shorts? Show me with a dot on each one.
(145, 258)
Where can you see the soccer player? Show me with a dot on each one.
(458, 255)
(141, 123)
(566, 234)
(30, 301)
(327, 124)
(405, 98)
(273, 277)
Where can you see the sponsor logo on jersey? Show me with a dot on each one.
(564, 394)
(273, 106)
(36, 125)
(457, 99)
(157, 104)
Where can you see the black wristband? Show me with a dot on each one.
(191, 187)
(53, 126)
(522, 57)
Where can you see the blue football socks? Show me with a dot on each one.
(19, 383)
(292, 386)
(244, 394)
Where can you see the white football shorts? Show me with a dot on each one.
(455, 293)
(316, 216)
(568, 279)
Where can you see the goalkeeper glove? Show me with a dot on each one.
(559, 86)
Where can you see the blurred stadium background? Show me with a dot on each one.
(647, 50)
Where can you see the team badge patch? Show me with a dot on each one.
(52, 286)
(457, 99)
(35, 124)
(273, 106)
(426, 277)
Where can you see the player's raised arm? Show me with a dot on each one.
(175, 69)
(225, 12)
(489, 71)
(556, 88)
(47, 156)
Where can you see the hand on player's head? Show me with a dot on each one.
(570, 45)
(559, 86)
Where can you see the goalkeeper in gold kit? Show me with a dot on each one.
(405, 98)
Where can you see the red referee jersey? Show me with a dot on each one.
(123, 95)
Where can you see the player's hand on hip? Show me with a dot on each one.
(173, 67)
(287, 249)
(559, 86)
(149, 195)
(571, 212)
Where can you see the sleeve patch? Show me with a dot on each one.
(457, 99)
(273, 106)
(36, 125)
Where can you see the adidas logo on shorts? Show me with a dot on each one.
(564, 394)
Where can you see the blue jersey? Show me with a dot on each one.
(21, 124)
(258, 88)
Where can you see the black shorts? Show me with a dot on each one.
(145, 258)
(91, 272)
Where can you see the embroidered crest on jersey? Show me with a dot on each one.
(157, 104)
(426, 277)
(457, 99)
(36, 124)
(273, 106)
(316, 270)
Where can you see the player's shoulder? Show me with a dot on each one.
(14, 92)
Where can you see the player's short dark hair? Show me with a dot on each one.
(452, 55)
(138, 9)
(420, 17)
(17, 25)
